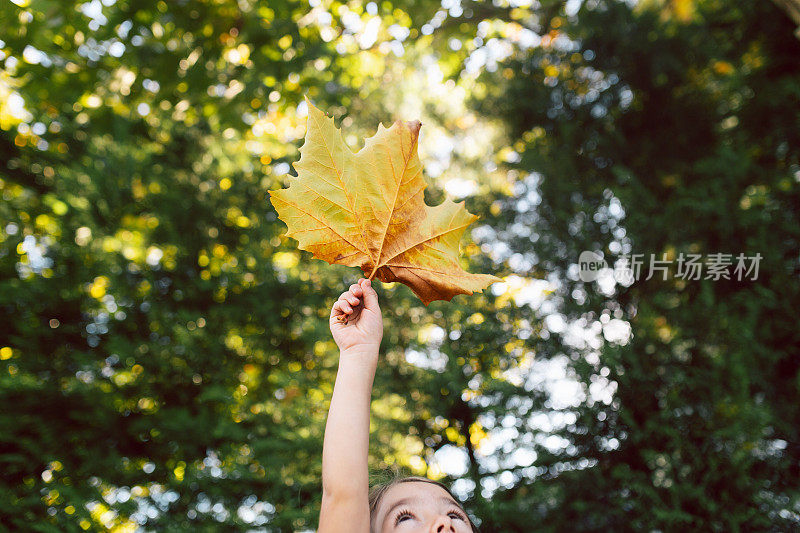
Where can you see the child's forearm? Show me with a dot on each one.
(346, 443)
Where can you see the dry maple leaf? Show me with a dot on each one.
(366, 210)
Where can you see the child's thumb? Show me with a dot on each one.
(370, 296)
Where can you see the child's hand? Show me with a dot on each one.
(356, 320)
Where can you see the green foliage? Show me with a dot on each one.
(173, 356)
(681, 119)
(160, 352)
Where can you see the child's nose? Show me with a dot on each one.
(443, 524)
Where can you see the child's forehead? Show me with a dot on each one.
(412, 493)
(408, 489)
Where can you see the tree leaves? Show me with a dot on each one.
(366, 210)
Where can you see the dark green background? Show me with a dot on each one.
(194, 386)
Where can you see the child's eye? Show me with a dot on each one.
(402, 515)
(457, 515)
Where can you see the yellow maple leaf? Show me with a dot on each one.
(366, 210)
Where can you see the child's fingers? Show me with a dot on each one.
(370, 297)
(357, 294)
(348, 297)
(355, 288)
(342, 307)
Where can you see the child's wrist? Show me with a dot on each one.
(364, 353)
(358, 364)
(361, 349)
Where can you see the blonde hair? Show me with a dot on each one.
(379, 488)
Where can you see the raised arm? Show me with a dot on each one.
(345, 481)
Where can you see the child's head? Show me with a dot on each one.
(416, 504)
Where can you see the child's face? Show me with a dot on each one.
(419, 507)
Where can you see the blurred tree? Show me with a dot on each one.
(165, 353)
(792, 8)
(667, 128)
(165, 358)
